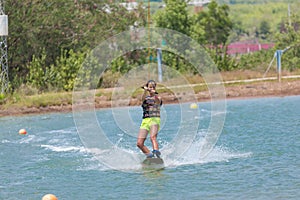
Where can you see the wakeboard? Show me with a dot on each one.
(153, 163)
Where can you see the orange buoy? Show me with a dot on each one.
(22, 132)
(49, 197)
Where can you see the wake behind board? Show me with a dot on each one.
(153, 163)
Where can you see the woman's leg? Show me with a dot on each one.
(142, 136)
(153, 136)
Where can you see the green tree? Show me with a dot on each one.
(290, 37)
(36, 75)
(213, 26)
(238, 31)
(54, 26)
(174, 16)
(264, 30)
(211, 29)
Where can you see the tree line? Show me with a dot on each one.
(49, 40)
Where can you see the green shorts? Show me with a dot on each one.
(148, 122)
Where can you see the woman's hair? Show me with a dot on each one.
(151, 81)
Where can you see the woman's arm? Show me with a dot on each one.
(144, 93)
(158, 100)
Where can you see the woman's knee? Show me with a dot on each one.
(153, 137)
(140, 144)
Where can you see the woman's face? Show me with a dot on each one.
(151, 87)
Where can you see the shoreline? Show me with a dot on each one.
(242, 91)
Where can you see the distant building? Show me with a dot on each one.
(198, 4)
(244, 48)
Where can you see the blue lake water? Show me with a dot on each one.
(256, 156)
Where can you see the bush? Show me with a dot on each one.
(57, 77)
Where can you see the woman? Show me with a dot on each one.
(151, 119)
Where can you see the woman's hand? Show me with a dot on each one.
(144, 87)
(151, 90)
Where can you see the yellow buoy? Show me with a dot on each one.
(49, 197)
(193, 106)
(22, 132)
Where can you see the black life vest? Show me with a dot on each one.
(150, 108)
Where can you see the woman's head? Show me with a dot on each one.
(151, 83)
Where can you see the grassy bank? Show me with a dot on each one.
(232, 80)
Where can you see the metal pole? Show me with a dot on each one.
(3, 48)
(149, 42)
(278, 56)
(159, 60)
